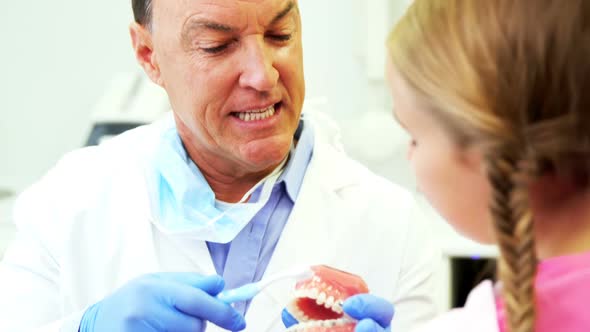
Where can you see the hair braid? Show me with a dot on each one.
(514, 229)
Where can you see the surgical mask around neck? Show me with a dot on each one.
(183, 203)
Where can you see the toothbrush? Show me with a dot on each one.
(248, 291)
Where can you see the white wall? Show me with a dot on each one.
(55, 60)
(58, 57)
(345, 56)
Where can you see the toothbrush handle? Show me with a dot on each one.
(244, 293)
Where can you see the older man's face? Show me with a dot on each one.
(234, 73)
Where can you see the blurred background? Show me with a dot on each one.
(67, 65)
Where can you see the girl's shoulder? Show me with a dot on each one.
(478, 314)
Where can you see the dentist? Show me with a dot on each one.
(142, 232)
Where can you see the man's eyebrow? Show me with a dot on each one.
(283, 12)
(208, 25)
(199, 24)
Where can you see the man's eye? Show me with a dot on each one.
(216, 49)
(280, 37)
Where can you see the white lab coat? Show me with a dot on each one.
(478, 314)
(84, 230)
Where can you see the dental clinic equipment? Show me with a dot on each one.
(248, 291)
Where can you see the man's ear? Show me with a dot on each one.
(141, 39)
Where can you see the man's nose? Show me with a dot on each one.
(258, 72)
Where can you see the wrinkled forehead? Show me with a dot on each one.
(242, 14)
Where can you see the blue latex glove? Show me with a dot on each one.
(373, 313)
(179, 302)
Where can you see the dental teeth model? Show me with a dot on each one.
(318, 300)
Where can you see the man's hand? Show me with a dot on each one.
(163, 302)
(374, 314)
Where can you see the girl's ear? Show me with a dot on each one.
(472, 158)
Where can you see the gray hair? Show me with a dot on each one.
(142, 11)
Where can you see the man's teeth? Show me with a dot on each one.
(256, 115)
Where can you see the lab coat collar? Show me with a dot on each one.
(329, 153)
(300, 156)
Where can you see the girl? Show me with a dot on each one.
(496, 97)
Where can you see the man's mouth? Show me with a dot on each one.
(258, 114)
(318, 301)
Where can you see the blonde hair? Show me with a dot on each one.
(513, 78)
